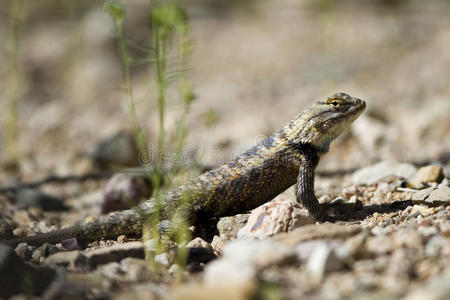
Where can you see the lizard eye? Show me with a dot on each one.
(334, 103)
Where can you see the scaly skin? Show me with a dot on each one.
(289, 156)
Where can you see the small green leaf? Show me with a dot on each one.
(210, 118)
(115, 9)
(170, 16)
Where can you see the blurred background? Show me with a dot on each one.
(252, 66)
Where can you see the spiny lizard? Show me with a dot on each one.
(289, 156)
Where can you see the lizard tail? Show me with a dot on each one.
(129, 222)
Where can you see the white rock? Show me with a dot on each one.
(274, 217)
(163, 259)
(322, 261)
(374, 173)
(228, 273)
(261, 253)
(242, 259)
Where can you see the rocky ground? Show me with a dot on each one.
(254, 66)
(391, 239)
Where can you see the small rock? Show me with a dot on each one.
(356, 247)
(111, 270)
(317, 231)
(135, 270)
(372, 174)
(421, 210)
(75, 243)
(102, 256)
(430, 173)
(351, 191)
(163, 259)
(229, 226)
(419, 196)
(304, 250)
(435, 289)
(243, 258)
(219, 243)
(43, 251)
(175, 269)
(124, 191)
(229, 273)
(198, 243)
(24, 251)
(117, 150)
(27, 197)
(274, 217)
(65, 258)
(122, 239)
(380, 245)
(440, 196)
(259, 253)
(20, 232)
(323, 261)
(444, 183)
(427, 231)
(434, 245)
(151, 245)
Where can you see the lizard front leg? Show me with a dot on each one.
(305, 189)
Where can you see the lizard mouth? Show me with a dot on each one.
(358, 108)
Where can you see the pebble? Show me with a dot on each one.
(440, 196)
(124, 191)
(323, 260)
(117, 150)
(27, 197)
(421, 195)
(433, 196)
(92, 258)
(243, 257)
(229, 273)
(163, 259)
(373, 174)
(23, 251)
(218, 243)
(275, 217)
(317, 231)
(75, 243)
(175, 269)
(427, 230)
(431, 173)
(199, 243)
(135, 270)
(435, 289)
(43, 251)
(65, 258)
(229, 226)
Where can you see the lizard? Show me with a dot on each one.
(288, 157)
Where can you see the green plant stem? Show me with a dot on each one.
(160, 46)
(140, 140)
(12, 115)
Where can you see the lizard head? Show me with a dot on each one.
(325, 120)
